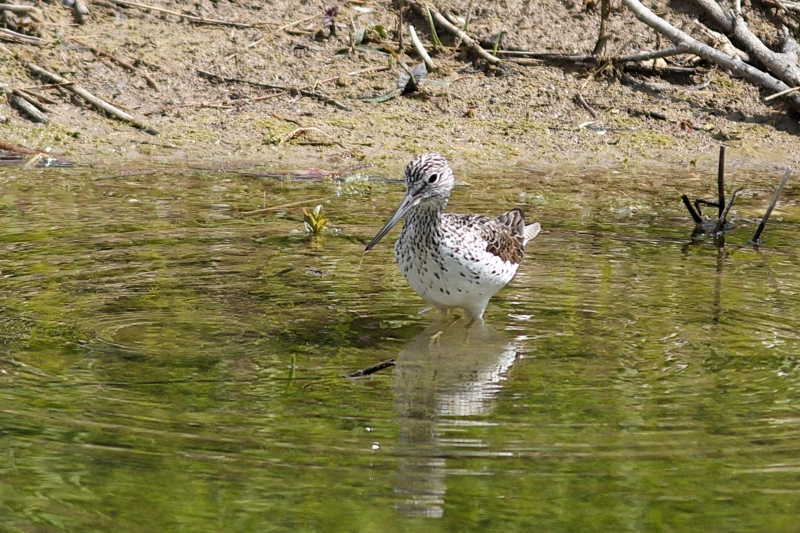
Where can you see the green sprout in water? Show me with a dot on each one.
(314, 220)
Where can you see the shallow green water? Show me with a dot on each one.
(169, 363)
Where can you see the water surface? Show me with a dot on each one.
(170, 360)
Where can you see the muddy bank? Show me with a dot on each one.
(519, 115)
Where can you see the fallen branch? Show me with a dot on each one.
(32, 100)
(757, 236)
(28, 109)
(304, 92)
(697, 48)
(92, 99)
(14, 37)
(420, 49)
(191, 18)
(150, 81)
(447, 25)
(14, 8)
(783, 66)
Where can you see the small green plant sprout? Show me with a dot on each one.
(314, 220)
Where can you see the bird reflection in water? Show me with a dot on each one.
(446, 371)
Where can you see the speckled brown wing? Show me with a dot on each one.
(504, 236)
(514, 219)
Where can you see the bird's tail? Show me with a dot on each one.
(531, 231)
(515, 219)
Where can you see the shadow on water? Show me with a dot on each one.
(445, 372)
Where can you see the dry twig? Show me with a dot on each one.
(150, 81)
(447, 25)
(191, 18)
(92, 99)
(304, 92)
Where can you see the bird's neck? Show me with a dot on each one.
(427, 214)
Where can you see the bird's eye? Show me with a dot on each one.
(433, 178)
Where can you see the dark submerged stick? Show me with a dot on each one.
(721, 179)
(721, 221)
(700, 201)
(695, 216)
(370, 369)
(760, 230)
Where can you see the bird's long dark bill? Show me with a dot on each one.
(407, 203)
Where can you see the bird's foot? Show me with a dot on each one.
(435, 338)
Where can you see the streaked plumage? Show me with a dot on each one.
(450, 260)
